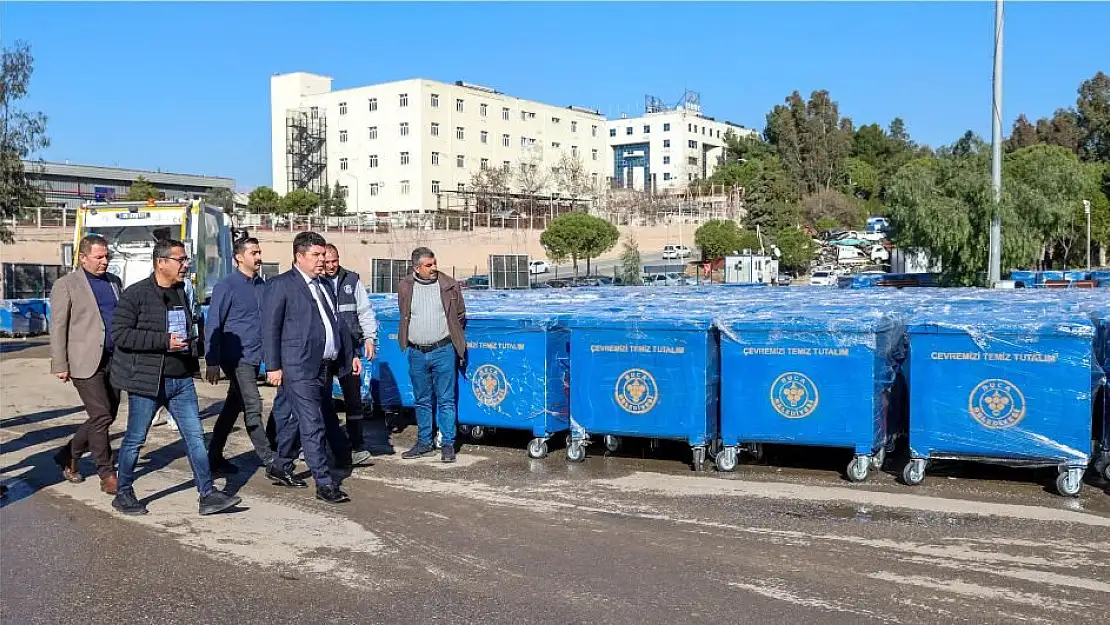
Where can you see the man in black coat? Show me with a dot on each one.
(155, 360)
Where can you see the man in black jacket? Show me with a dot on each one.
(155, 360)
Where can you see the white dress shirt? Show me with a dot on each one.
(331, 349)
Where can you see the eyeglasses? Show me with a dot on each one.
(184, 260)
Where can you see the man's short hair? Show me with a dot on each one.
(421, 253)
(161, 234)
(331, 248)
(305, 240)
(163, 246)
(241, 244)
(88, 241)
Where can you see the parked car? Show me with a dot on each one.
(538, 267)
(476, 282)
(665, 279)
(675, 251)
(785, 279)
(822, 277)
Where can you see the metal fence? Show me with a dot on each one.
(30, 280)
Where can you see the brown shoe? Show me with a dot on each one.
(68, 465)
(108, 484)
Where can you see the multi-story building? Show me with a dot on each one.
(667, 148)
(410, 145)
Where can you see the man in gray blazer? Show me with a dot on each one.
(81, 307)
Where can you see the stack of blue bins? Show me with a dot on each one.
(648, 371)
(1003, 382)
(818, 377)
(517, 375)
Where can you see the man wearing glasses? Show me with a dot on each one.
(154, 334)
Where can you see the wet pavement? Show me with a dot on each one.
(633, 537)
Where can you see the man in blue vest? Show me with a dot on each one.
(357, 317)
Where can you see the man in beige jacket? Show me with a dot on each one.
(81, 307)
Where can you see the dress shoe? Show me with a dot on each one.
(281, 478)
(68, 464)
(421, 449)
(448, 453)
(222, 466)
(331, 494)
(127, 503)
(109, 484)
(217, 501)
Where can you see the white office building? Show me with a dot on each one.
(667, 148)
(409, 145)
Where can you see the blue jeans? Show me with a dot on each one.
(434, 373)
(179, 396)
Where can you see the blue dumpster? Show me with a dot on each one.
(390, 385)
(1024, 278)
(632, 375)
(517, 376)
(819, 377)
(1011, 386)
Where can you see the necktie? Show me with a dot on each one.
(323, 295)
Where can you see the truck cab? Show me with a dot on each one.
(132, 228)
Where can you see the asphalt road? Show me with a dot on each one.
(635, 537)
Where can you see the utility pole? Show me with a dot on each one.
(1087, 212)
(995, 264)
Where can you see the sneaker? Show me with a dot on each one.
(217, 501)
(448, 453)
(361, 459)
(127, 503)
(420, 450)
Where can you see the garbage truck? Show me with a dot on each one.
(132, 228)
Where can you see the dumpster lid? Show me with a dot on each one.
(1022, 322)
(844, 319)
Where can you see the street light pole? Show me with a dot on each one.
(1087, 212)
(995, 262)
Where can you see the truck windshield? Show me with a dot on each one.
(129, 235)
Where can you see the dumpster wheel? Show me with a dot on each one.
(612, 443)
(1102, 467)
(537, 448)
(1069, 481)
(914, 472)
(726, 459)
(858, 468)
(699, 457)
(576, 452)
(477, 432)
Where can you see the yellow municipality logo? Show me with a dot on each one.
(794, 395)
(997, 404)
(490, 385)
(636, 391)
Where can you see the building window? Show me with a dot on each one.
(435, 129)
(505, 166)
(343, 164)
(372, 132)
(666, 160)
(315, 112)
(483, 109)
(404, 99)
(484, 136)
(505, 140)
(435, 186)
(612, 132)
(693, 160)
(404, 129)
(554, 120)
(373, 103)
(574, 126)
(435, 100)
(556, 145)
(647, 129)
(460, 133)
(574, 151)
(462, 187)
(375, 188)
(689, 128)
(628, 130)
(404, 187)
(342, 136)
(459, 105)
(666, 143)
(666, 175)
(404, 158)
(435, 158)
(342, 108)
(593, 131)
(691, 176)
(343, 192)
(485, 163)
(373, 160)
(692, 144)
(667, 127)
(505, 114)
(460, 161)
(593, 154)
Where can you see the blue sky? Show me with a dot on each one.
(185, 87)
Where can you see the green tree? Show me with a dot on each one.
(718, 238)
(1047, 184)
(22, 134)
(300, 202)
(1062, 129)
(1023, 135)
(578, 235)
(631, 263)
(1093, 118)
(1093, 191)
(332, 202)
(264, 201)
(222, 197)
(142, 190)
(797, 248)
(835, 206)
(811, 139)
(860, 179)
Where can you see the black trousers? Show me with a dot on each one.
(101, 402)
(242, 396)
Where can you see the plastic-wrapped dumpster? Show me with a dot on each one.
(22, 317)
(517, 376)
(390, 385)
(1010, 386)
(652, 374)
(817, 377)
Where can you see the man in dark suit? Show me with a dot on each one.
(304, 347)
